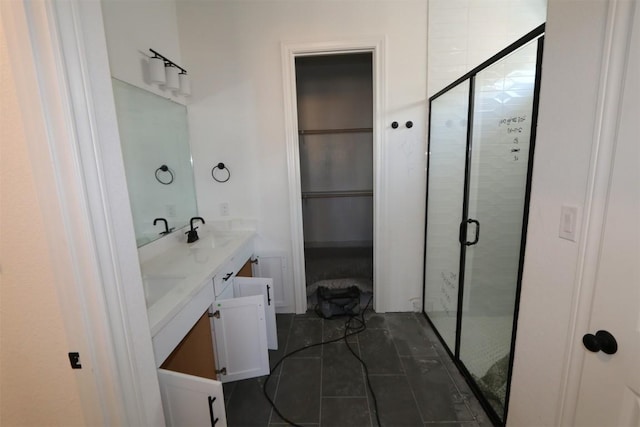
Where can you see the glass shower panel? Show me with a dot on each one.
(502, 118)
(447, 154)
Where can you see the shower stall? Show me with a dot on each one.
(481, 141)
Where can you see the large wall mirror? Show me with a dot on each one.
(157, 160)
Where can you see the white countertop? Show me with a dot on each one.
(174, 276)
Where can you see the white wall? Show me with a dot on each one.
(36, 383)
(570, 77)
(132, 27)
(236, 115)
(465, 33)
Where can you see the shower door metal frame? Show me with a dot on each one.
(537, 33)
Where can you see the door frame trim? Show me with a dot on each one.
(291, 50)
(59, 56)
(610, 93)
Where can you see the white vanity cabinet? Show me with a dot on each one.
(189, 400)
(243, 324)
(232, 326)
(190, 394)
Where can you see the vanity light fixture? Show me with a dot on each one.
(185, 84)
(167, 73)
(173, 81)
(156, 70)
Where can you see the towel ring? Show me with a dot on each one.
(164, 168)
(220, 166)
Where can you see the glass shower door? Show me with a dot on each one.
(446, 174)
(501, 132)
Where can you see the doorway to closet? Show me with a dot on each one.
(334, 95)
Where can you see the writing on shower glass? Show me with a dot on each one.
(513, 125)
(448, 291)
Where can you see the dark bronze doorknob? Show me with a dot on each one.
(601, 341)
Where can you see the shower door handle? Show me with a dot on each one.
(463, 232)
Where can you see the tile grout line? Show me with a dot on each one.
(441, 356)
(464, 399)
(286, 347)
(415, 399)
(321, 370)
(404, 372)
(406, 377)
(364, 380)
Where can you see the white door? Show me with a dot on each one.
(610, 388)
(241, 338)
(247, 286)
(189, 401)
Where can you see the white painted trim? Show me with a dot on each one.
(59, 56)
(289, 52)
(614, 58)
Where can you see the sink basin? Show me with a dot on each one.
(155, 287)
(209, 241)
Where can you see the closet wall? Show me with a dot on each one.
(335, 119)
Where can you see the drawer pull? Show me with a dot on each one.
(225, 278)
(214, 420)
(268, 295)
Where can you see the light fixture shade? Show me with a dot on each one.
(185, 84)
(173, 81)
(156, 70)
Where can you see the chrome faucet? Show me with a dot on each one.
(192, 235)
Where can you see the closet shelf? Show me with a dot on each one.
(333, 131)
(332, 194)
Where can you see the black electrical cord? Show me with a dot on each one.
(347, 328)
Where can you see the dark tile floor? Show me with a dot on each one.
(414, 381)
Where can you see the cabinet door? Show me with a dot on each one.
(273, 265)
(188, 400)
(247, 286)
(241, 338)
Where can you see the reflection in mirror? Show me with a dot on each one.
(157, 160)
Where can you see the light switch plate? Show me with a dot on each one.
(569, 216)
